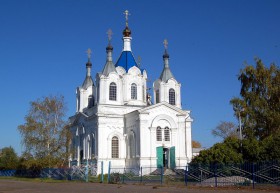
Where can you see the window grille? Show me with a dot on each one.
(159, 134)
(113, 92)
(166, 134)
(157, 96)
(172, 96)
(115, 147)
(133, 91)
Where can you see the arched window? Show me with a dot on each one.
(113, 92)
(90, 101)
(172, 96)
(115, 147)
(88, 148)
(132, 150)
(157, 96)
(133, 91)
(74, 146)
(159, 134)
(93, 146)
(78, 102)
(166, 134)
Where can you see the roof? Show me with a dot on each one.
(108, 68)
(180, 111)
(166, 74)
(126, 60)
(87, 82)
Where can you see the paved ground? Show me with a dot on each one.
(11, 186)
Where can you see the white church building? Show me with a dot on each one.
(116, 121)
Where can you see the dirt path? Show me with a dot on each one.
(11, 186)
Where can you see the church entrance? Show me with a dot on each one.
(166, 157)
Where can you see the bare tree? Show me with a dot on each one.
(225, 129)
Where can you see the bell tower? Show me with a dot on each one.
(85, 94)
(166, 88)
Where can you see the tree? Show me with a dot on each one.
(271, 148)
(44, 133)
(252, 150)
(225, 129)
(259, 109)
(259, 100)
(265, 150)
(196, 144)
(225, 152)
(8, 159)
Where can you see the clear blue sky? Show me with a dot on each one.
(43, 44)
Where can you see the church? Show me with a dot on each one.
(118, 122)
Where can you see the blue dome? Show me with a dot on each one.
(126, 60)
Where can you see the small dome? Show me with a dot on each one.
(109, 47)
(88, 64)
(165, 55)
(126, 32)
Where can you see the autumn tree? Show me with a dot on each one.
(44, 133)
(259, 100)
(225, 129)
(196, 144)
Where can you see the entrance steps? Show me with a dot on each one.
(168, 171)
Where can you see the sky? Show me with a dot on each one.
(43, 47)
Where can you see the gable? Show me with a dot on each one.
(164, 108)
(163, 120)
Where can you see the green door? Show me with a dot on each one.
(172, 157)
(159, 157)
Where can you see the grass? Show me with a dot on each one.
(48, 180)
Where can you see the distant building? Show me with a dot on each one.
(116, 120)
(196, 151)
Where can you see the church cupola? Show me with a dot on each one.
(127, 39)
(166, 73)
(126, 60)
(126, 34)
(133, 79)
(108, 81)
(88, 80)
(85, 93)
(166, 88)
(109, 66)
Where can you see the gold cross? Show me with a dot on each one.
(165, 43)
(89, 53)
(109, 33)
(126, 13)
